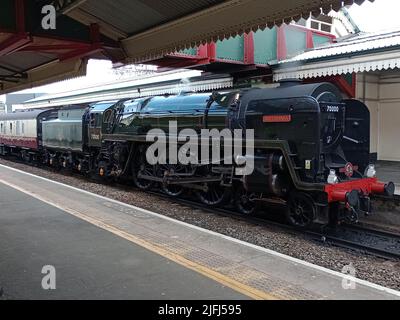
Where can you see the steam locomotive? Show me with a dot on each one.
(310, 151)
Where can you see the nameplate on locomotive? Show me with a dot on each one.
(277, 118)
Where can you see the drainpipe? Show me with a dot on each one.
(364, 86)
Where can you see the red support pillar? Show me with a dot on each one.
(309, 40)
(20, 15)
(55, 47)
(202, 51)
(94, 47)
(281, 48)
(94, 33)
(212, 51)
(20, 38)
(354, 84)
(349, 89)
(248, 39)
(14, 43)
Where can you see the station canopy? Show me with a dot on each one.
(126, 31)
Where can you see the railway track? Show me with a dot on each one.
(395, 198)
(364, 240)
(380, 243)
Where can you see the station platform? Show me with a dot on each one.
(104, 249)
(389, 171)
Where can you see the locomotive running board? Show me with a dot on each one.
(178, 181)
(271, 200)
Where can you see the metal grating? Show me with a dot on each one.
(254, 278)
(132, 16)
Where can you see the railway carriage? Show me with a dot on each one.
(21, 132)
(73, 138)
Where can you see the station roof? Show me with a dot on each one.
(352, 44)
(151, 85)
(355, 53)
(32, 56)
(150, 29)
(126, 31)
(21, 115)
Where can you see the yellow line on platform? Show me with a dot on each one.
(212, 274)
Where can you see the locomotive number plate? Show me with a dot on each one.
(334, 108)
(277, 118)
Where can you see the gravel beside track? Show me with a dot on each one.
(376, 270)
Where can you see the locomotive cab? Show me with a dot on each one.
(323, 141)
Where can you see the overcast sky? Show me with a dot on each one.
(370, 16)
(377, 15)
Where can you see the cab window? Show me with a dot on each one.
(108, 116)
(221, 101)
(131, 108)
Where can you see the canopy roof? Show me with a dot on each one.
(150, 29)
(356, 53)
(125, 31)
